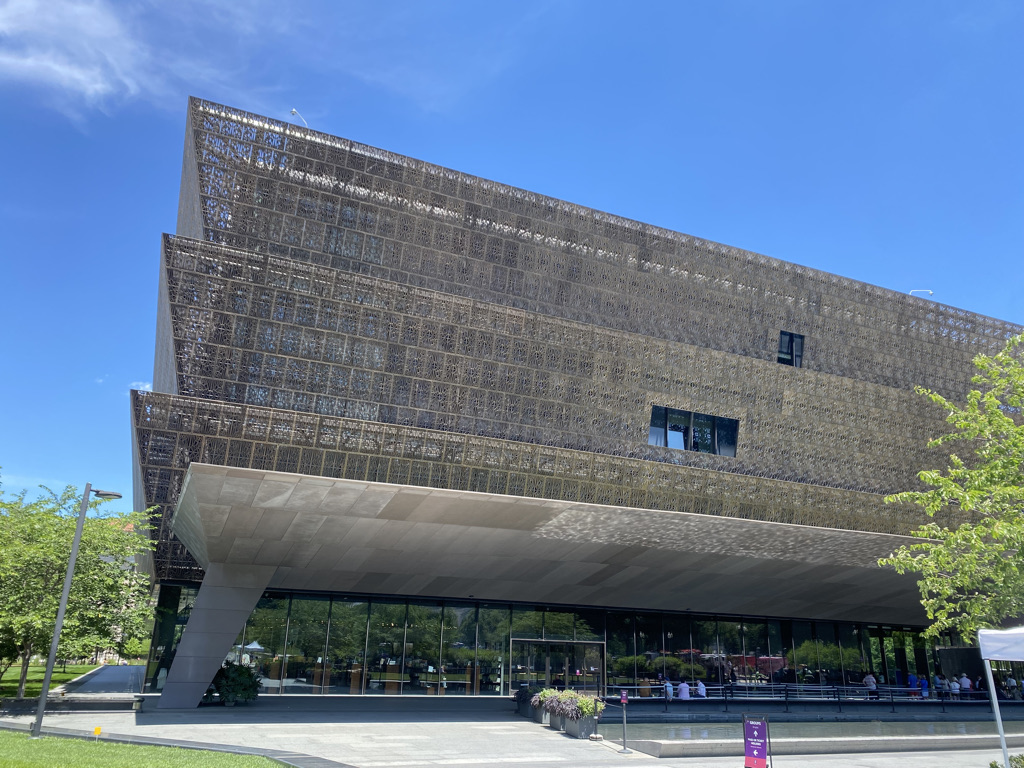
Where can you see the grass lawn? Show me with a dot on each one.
(17, 750)
(9, 683)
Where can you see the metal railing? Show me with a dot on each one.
(787, 692)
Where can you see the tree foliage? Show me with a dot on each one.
(109, 600)
(972, 576)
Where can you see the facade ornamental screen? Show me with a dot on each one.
(332, 309)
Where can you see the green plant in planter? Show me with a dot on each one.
(589, 706)
(565, 704)
(236, 682)
(542, 697)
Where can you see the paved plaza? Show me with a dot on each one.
(488, 740)
(386, 732)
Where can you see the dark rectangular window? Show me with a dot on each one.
(791, 348)
(689, 431)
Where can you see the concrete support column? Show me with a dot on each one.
(226, 598)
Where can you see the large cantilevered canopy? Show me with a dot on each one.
(319, 533)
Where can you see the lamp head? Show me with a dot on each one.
(106, 494)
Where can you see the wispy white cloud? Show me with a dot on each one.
(101, 379)
(145, 386)
(86, 55)
(80, 52)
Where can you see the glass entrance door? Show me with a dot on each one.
(565, 664)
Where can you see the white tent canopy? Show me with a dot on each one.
(1002, 644)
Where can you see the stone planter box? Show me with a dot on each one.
(541, 715)
(581, 729)
(525, 709)
(557, 722)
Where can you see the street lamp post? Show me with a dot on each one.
(38, 723)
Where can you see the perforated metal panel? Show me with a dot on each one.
(358, 314)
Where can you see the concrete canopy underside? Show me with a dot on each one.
(326, 534)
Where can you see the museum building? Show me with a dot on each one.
(417, 432)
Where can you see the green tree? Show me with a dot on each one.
(109, 600)
(971, 575)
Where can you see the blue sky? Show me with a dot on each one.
(877, 140)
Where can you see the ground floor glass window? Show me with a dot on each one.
(358, 645)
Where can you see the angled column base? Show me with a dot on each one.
(228, 595)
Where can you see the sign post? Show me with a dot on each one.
(623, 699)
(757, 746)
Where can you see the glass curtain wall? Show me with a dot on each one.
(423, 653)
(621, 650)
(650, 662)
(263, 641)
(459, 673)
(730, 640)
(173, 607)
(385, 652)
(321, 644)
(853, 653)
(830, 657)
(756, 652)
(706, 651)
(493, 626)
(678, 652)
(802, 658)
(776, 662)
(305, 650)
(346, 647)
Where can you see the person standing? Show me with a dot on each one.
(668, 689)
(702, 691)
(872, 685)
(954, 689)
(1012, 689)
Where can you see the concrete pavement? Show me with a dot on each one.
(408, 732)
(376, 736)
(110, 678)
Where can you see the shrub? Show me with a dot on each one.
(540, 699)
(568, 704)
(1016, 761)
(565, 704)
(236, 682)
(589, 706)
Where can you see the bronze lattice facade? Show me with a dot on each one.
(331, 309)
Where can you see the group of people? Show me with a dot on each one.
(956, 688)
(962, 687)
(682, 691)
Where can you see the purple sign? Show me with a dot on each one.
(755, 742)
